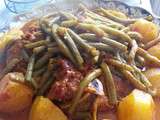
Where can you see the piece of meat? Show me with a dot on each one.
(22, 115)
(108, 115)
(32, 31)
(105, 111)
(104, 105)
(123, 88)
(67, 81)
(15, 51)
(21, 67)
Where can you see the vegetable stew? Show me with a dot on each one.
(94, 64)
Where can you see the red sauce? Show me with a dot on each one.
(22, 115)
(32, 31)
(67, 82)
(14, 51)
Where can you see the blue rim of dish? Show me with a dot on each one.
(130, 10)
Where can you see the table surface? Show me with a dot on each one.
(9, 8)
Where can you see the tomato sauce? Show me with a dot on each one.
(22, 115)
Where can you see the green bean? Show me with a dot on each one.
(46, 75)
(39, 72)
(33, 84)
(42, 61)
(46, 86)
(50, 19)
(36, 44)
(61, 31)
(54, 20)
(25, 55)
(52, 44)
(149, 18)
(30, 67)
(117, 19)
(92, 28)
(103, 19)
(45, 26)
(82, 100)
(98, 22)
(145, 81)
(98, 17)
(118, 57)
(152, 43)
(80, 41)
(95, 108)
(108, 41)
(134, 81)
(53, 61)
(126, 29)
(38, 50)
(69, 23)
(53, 50)
(74, 49)
(116, 33)
(88, 36)
(101, 58)
(84, 83)
(132, 52)
(114, 44)
(63, 48)
(135, 35)
(142, 77)
(149, 58)
(140, 60)
(12, 63)
(68, 15)
(102, 46)
(112, 26)
(109, 83)
(119, 64)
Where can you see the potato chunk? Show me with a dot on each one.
(155, 50)
(153, 75)
(136, 106)
(14, 96)
(147, 29)
(44, 109)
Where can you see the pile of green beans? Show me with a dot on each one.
(69, 36)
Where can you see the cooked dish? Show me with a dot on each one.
(94, 64)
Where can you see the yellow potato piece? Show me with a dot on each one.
(155, 50)
(153, 75)
(14, 96)
(136, 106)
(147, 29)
(44, 109)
